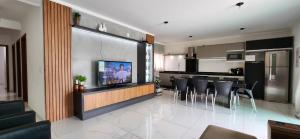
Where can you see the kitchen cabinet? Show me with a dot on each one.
(174, 63)
(218, 51)
(276, 43)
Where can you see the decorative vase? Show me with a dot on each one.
(81, 88)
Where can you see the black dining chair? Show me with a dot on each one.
(248, 91)
(200, 88)
(223, 89)
(200, 77)
(172, 80)
(231, 79)
(180, 86)
(211, 86)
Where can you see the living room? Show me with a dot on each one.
(149, 69)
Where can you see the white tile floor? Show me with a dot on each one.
(162, 118)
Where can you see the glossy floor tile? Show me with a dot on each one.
(162, 118)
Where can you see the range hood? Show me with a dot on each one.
(191, 53)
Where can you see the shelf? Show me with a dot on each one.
(104, 33)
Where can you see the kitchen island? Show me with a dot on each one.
(165, 76)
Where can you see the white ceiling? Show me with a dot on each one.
(199, 18)
(15, 9)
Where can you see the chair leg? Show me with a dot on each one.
(186, 94)
(234, 99)
(175, 93)
(206, 101)
(253, 104)
(230, 105)
(238, 99)
(195, 96)
(212, 101)
(252, 100)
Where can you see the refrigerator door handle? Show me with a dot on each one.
(272, 68)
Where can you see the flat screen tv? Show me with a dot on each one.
(112, 73)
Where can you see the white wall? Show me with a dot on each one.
(88, 47)
(5, 39)
(2, 66)
(32, 25)
(296, 76)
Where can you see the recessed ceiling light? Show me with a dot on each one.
(239, 4)
(166, 22)
(242, 28)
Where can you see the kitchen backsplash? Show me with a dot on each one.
(219, 65)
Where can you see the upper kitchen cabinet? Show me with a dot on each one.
(174, 63)
(277, 43)
(218, 51)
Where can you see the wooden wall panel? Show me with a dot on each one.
(58, 72)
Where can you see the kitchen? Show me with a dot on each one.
(268, 61)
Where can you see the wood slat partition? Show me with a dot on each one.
(58, 72)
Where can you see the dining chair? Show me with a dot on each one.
(248, 91)
(180, 86)
(200, 88)
(200, 77)
(223, 89)
(231, 79)
(172, 80)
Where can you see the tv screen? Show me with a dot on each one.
(114, 72)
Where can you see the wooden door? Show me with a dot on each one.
(19, 69)
(14, 66)
(24, 68)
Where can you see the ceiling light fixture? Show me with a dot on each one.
(239, 4)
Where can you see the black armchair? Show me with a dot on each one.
(13, 120)
(11, 107)
(39, 130)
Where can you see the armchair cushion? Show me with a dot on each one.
(215, 132)
(13, 120)
(39, 130)
(11, 107)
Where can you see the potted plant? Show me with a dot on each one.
(157, 81)
(81, 80)
(76, 18)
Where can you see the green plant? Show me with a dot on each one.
(81, 78)
(157, 81)
(76, 14)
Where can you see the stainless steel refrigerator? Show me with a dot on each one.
(277, 76)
